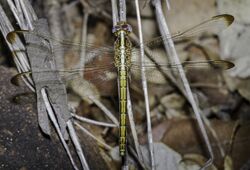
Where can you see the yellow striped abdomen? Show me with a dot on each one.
(123, 108)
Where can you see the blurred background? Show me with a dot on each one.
(223, 96)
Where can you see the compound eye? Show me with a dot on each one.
(127, 27)
(116, 28)
(124, 26)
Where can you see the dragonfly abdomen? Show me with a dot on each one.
(123, 109)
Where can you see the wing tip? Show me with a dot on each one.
(230, 65)
(11, 37)
(15, 80)
(227, 17)
(224, 64)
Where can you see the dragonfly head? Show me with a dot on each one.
(122, 26)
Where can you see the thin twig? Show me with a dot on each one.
(214, 134)
(84, 41)
(168, 4)
(83, 119)
(77, 145)
(27, 7)
(19, 10)
(29, 18)
(114, 12)
(145, 89)
(106, 146)
(133, 129)
(236, 128)
(105, 110)
(123, 10)
(16, 11)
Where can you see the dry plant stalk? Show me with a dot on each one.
(170, 49)
(145, 88)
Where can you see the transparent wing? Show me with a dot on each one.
(100, 69)
(88, 81)
(102, 80)
(156, 73)
(65, 47)
(215, 24)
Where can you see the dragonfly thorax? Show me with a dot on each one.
(123, 48)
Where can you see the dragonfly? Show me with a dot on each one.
(120, 60)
